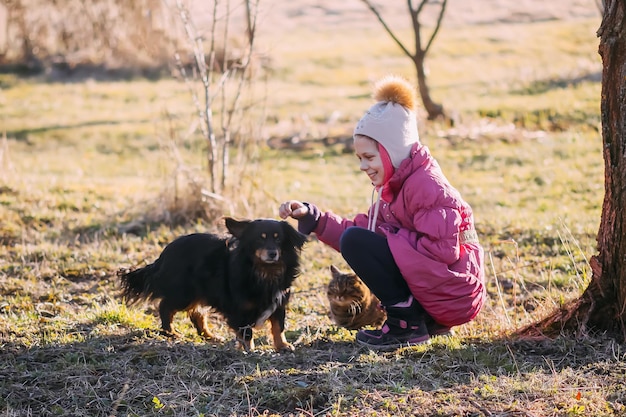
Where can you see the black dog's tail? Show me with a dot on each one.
(136, 283)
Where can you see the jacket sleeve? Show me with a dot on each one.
(330, 227)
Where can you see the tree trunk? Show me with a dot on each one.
(433, 109)
(612, 234)
(602, 307)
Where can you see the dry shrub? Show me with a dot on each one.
(134, 36)
(117, 33)
(184, 199)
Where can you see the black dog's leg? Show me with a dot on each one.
(244, 338)
(198, 317)
(277, 321)
(168, 307)
(167, 315)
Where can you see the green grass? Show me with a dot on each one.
(83, 161)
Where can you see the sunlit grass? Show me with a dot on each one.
(496, 67)
(83, 161)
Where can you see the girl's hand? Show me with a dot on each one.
(295, 209)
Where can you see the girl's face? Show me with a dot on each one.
(366, 150)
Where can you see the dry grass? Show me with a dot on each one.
(91, 181)
(69, 347)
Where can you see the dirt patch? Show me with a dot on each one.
(331, 14)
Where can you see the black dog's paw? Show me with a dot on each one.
(170, 333)
(285, 348)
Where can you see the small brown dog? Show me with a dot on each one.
(245, 278)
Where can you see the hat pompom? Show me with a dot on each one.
(395, 89)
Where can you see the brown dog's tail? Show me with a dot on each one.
(135, 283)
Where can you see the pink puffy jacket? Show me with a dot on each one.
(430, 230)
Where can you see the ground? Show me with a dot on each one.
(328, 14)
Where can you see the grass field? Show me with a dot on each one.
(81, 161)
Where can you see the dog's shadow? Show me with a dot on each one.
(128, 371)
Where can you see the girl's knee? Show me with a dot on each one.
(351, 237)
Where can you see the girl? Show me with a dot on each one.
(416, 248)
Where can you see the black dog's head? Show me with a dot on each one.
(267, 241)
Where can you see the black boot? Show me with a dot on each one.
(405, 326)
(436, 329)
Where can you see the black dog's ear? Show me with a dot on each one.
(294, 237)
(236, 227)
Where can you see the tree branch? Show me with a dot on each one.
(419, 9)
(439, 20)
(387, 28)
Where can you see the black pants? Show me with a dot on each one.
(369, 256)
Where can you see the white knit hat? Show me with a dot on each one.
(392, 121)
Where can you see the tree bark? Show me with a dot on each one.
(433, 109)
(602, 307)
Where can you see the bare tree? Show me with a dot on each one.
(602, 306)
(223, 79)
(419, 55)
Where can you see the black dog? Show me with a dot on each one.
(246, 278)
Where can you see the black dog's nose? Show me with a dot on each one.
(272, 255)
